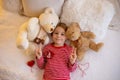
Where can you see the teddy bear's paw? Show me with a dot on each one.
(98, 46)
(80, 57)
(22, 44)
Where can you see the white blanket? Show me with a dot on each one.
(103, 65)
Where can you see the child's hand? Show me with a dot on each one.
(38, 51)
(73, 56)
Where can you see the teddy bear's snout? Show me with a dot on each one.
(51, 29)
(72, 37)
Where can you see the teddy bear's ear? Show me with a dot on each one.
(49, 10)
(76, 25)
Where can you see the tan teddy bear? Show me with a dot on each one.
(82, 41)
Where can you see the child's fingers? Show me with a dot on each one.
(72, 59)
(74, 51)
(39, 50)
(73, 55)
(40, 46)
(38, 54)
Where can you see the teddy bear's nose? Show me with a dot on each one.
(51, 29)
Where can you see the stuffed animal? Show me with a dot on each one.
(82, 41)
(35, 31)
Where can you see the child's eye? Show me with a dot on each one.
(56, 33)
(62, 34)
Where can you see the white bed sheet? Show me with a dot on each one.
(103, 65)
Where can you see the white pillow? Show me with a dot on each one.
(12, 5)
(115, 23)
(92, 15)
(35, 7)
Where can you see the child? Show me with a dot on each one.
(57, 58)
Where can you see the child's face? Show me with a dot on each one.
(58, 36)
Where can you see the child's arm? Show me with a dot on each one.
(40, 62)
(40, 59)
(72, 60)
(73, 56)
(72, 67)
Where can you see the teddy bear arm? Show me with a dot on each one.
(80, 54)
(22, 41)
(33, 28)
(47, 40)
(87, 34)
(95, 46)
(30, 51)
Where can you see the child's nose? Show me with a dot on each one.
(59, 35)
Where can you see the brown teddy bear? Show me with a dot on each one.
(82, 41)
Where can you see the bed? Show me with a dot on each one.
(103, 65)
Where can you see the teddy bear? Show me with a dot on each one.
(35, 31)
(81, 40)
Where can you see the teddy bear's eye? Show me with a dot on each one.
(52, 23)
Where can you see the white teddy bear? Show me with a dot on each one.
(35, 31)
